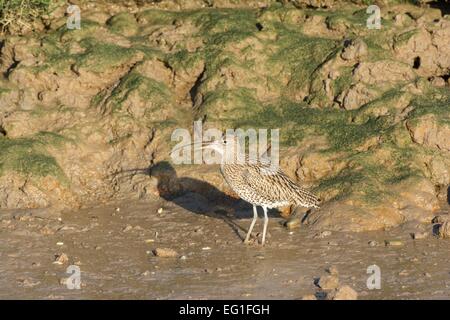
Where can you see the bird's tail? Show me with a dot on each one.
(305, 198)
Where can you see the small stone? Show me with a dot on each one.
(328, 282)
(183, 258)
(444, 230)
(60, 243)
(149, 240)
(373, 243)
(160, 210)
(426, 274)
(332, 270)
(206, 248)
(355, 50)
(438, 82)
(61, 258)
(438, 219)
(165, 253)
(322, 234)
(309, 297)
(117, 209)
(419, 235)
(127, 228)
(403, 273)
(292, 223)
(393, 243)
(344, 293)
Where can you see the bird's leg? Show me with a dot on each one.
(266, 222)
(255, 216)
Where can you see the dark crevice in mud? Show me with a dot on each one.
(109, 90)
(194, 89)
(448, 195)
(446, 77)
(11, 68)
(416, 63)
(442, 5)
(3, 131)
(259, 26)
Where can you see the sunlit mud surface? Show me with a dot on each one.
(113, 248)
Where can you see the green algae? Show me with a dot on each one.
(27, 156)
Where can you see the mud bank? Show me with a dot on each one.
(113, 249)
(86, 115)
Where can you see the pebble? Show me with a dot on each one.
(206, 248)
(60, 243)
(291, 224)
(403, 273)
(117, 209)
(183, 258)
(419, 235)
(160, 210)
(439, 219)
(149, 240)
(328, 282)
(322, 234)
(444, 230)
(165, 253)
(127, 228)
(373, 243)
(344, 293)
(393, 243)
(332, 270)
(61, 258)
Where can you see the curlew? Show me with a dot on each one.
(258, 183)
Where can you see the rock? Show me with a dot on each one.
(322, 234)
(332, 270)
(431, 132)
(438, 82)
(343, 293)
(357, 95)
(355, 50)
(373, 243)
(393, 243)
(61, 258)
(420, 235)
(328, 282)
(127, 228)
(440, 219)
(165, 253)
(383, 72)
(293, 223)
(444, 230)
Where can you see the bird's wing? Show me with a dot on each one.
(273, 184)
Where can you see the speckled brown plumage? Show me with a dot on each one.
(262, 186)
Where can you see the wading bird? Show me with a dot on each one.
(258, 183)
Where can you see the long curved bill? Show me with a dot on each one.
(197, 146)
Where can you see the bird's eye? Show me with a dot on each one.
(225, 141)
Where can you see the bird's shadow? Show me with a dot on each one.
(201, 197)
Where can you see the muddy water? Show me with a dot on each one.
(113, 249)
